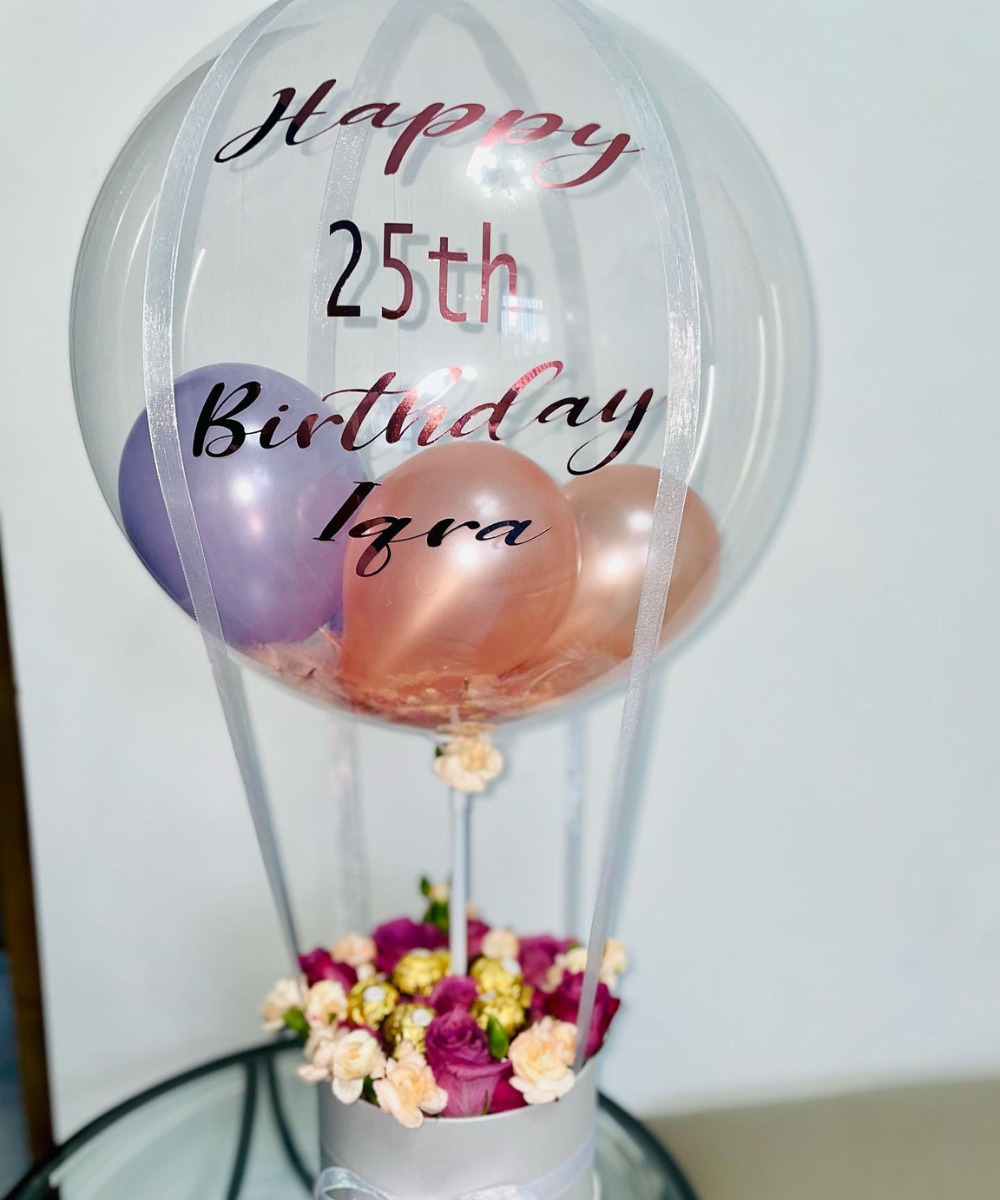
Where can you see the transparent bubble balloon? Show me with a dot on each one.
(421, 346)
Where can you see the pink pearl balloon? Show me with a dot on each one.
(472, 606)
(614, 513)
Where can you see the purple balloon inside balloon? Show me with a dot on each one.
(259, 510)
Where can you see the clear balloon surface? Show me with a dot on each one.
(421, 260)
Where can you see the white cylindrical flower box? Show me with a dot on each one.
(545, 1148)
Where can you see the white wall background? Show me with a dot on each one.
(815, 899)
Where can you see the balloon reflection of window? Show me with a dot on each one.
(524, 325)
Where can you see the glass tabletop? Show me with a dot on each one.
(245, 1128)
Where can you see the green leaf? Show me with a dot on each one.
(439, 751)
(437, 913)
(295, 1019)
(368, 1090)
(497, 1037)
(441, 915)
(425, 886)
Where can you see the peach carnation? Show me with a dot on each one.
(409, 1089)
(355, 950)
(539, 1060)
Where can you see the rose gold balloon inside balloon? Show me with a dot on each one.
(461, 565)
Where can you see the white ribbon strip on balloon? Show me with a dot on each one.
(557, 1183)
(684, 369)
(158, 372)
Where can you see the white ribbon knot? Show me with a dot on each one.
(335, 1180)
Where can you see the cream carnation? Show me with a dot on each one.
(468, 764)
(319, 1053)
(326, 1003)
(355, 1055)
(613, 964)
(354, 950)
(501, 944)
(285, 995)
(538, 1057)
(574, 960)
(409, 1089)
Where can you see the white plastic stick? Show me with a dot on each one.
(352, 874)
(573, 797)
(458, 899)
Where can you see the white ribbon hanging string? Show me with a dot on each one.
(335, 1180)
(684, 369)
(158, 372)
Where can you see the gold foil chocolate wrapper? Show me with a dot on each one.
(496, 975)
(408, 1023)
(370, 1003)
(416, 973)
(507, 1009)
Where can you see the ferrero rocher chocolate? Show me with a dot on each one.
(370, 1003)
(407, 1023)
(497, 975)
(416, 973)
(508, 1010)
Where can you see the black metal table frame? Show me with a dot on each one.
(258, 1062)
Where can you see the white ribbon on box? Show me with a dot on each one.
(549, 1187)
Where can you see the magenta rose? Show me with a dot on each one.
(477, 930)
(564, 1005)
(506, 1097)
(455, 993)
(459, 1055)
(537, 955)
(318, 964)
(399, 937)
(537, 1007)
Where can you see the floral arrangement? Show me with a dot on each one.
(383, 1021)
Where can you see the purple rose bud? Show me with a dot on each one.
(537, 955)
(454, 993)
(459, 1055)
(564, 1005)
(399, 937)
(318, 964)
